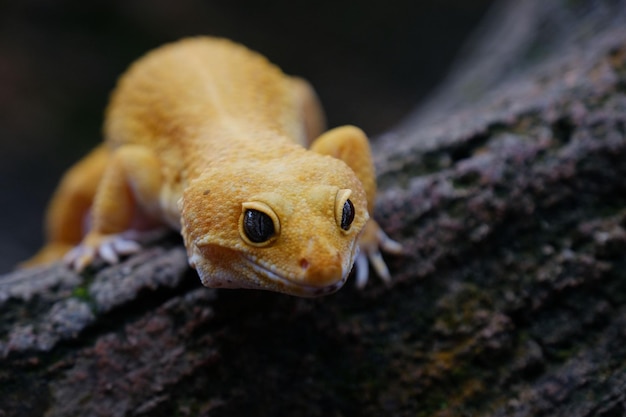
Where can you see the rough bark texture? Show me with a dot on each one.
(511, 300)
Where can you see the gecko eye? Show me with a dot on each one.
(347, 215)
(344, 209)
(258, 224)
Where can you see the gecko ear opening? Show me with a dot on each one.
(344, 209)
(258, 224)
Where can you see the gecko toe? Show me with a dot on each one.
(387, 244)
(125, 246)
(372, 243)
(377, 261)
(362, 270)
(107, 252)
(79, 258)
(108, 248)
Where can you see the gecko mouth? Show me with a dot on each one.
(289, 286)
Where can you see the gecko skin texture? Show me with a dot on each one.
(209, 138)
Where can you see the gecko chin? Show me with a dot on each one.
(233, 271)
(274, 281)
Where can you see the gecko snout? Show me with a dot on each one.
(325, 271)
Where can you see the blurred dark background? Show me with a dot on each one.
(370, 61)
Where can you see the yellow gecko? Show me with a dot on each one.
(207, 137)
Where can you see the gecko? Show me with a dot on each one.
(209, 138)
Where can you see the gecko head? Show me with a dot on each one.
(267, 226)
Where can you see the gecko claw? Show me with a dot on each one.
(125, 246)
(79, 257)
(387, 244)
(362, 270)
(377, 261)
(107, 252)
(109, 248)
(372, 241)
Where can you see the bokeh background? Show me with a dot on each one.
(370, 61)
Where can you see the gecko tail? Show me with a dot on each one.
(51, 252)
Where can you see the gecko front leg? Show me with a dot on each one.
(350, 144)
(129, 188)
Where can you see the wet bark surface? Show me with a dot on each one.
(509, 301)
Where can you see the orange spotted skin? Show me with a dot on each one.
(209, 138)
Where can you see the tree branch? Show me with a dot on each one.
(511, 300)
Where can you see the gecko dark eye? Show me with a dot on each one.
(347, 215)
(257, 226)
(344, 209)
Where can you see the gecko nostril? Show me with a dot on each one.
(304, 264)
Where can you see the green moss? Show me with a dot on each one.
(82, 293)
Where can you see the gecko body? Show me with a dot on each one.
(209, 138)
